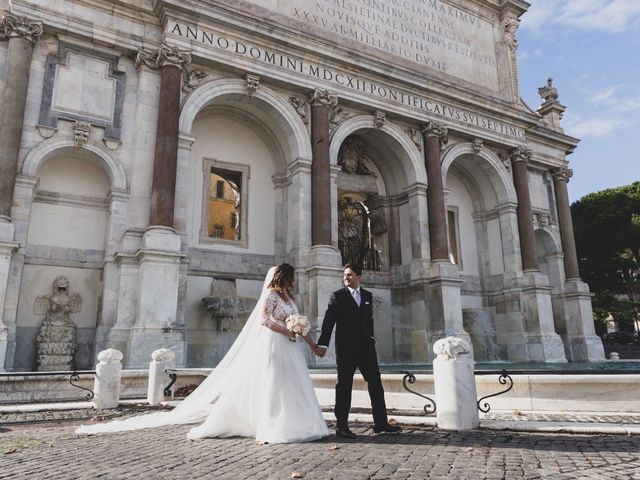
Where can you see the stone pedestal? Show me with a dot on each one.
(581, 342)
(156, 315)
(444, 303)
(325, 276)
(455, 386)
(161, 360)
(107, 384)
(543, 343)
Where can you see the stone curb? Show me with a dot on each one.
(579, 427)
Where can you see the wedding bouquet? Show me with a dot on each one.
(297, 324)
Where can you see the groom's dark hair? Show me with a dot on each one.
(356, 268)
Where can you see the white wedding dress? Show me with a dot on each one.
(260, 389)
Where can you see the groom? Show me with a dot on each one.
(351, 311)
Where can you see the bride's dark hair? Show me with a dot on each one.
(282, 281)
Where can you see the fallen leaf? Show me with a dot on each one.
(297, 475)
(12, 450)
(334, 447)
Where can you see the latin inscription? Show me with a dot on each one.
(430, 33)
(343, 79)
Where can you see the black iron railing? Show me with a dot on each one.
(504, 378)
(74, 376)
(368, 258)
(429, 407)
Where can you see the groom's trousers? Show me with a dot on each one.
(365, 359)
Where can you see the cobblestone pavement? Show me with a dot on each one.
(577, 417)
(52, 450)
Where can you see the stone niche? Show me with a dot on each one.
(227, 312)
(479, 324)
(38, 282)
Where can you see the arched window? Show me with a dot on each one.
(354, 233)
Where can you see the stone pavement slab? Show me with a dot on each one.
(52, 450)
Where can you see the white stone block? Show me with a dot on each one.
(455, 386)
(161, 360)
(161, 238)
(107, 384)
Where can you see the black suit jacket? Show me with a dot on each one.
(354, 325)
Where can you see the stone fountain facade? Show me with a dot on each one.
(248, 133)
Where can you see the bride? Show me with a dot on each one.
(261, 388)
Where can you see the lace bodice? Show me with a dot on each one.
(276, 310)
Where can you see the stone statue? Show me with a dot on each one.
(352, 158)
(451, 347)
(612, 325)
(548, 93)
(55, 343)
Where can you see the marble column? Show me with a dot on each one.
(322, 102)
(323, 271)
(520, 157)
(543, 343)
(561, 177)
(580, 340)
(435, 136)
(444, 302)
(160, 253)
(22, 34)
(170, 61)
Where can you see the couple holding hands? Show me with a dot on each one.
(262, 388)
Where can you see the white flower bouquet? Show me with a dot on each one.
(298, 324)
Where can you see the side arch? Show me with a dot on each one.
(207, 94)
(39, 154)
(412, 160)
(493, 167)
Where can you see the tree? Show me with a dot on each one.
(607, 231)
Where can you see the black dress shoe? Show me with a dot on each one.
(387, 428)
(344, 432)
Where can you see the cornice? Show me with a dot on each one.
(73, 22)
(227, 13)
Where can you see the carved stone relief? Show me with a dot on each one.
(300, 107)
(192, 79)
(55, 343)
(252, 84)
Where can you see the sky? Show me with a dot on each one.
(591, 49)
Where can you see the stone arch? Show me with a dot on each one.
(39, 154)
(299, 145)
(492, 167)
(412, 161)
(549, 239)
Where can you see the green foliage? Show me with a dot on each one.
(607, 231)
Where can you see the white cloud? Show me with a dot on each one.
(614, 98)
(525, 54)
(595, 127)
(605, 95)
(603, 15)
(627, 105)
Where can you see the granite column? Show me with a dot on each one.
(321, 104)
(580, 340)
(443, 298)
(543, 343)
(560, 179)
(22, 33)
(323, 267)
(160, 254)
(520, 156)
(435, 136)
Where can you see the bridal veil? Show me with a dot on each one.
(196, 407)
